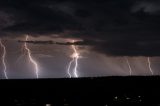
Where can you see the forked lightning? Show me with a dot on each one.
(75, 56)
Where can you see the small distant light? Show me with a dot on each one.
(139, 96)
(48, 104)
(116, 97)
(127, 98)
(66, 104)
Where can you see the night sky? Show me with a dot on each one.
(112, 37)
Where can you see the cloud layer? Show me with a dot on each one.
(126, 27)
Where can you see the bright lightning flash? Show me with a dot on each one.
(31, 59)
(129, 66)
(3, 59)
(75, 56)
(149, 65)
(68, 69)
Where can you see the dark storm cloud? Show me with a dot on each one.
(128, 27)
(151, 7)
(36, 17)
(84, 42)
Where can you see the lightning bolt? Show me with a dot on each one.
(75, 56)
(68, 69)
(149, 65)
(31, 59)
(3, 59)
(129, 66)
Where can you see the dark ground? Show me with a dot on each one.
(136, 91)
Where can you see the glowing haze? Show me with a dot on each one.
(63, 61)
